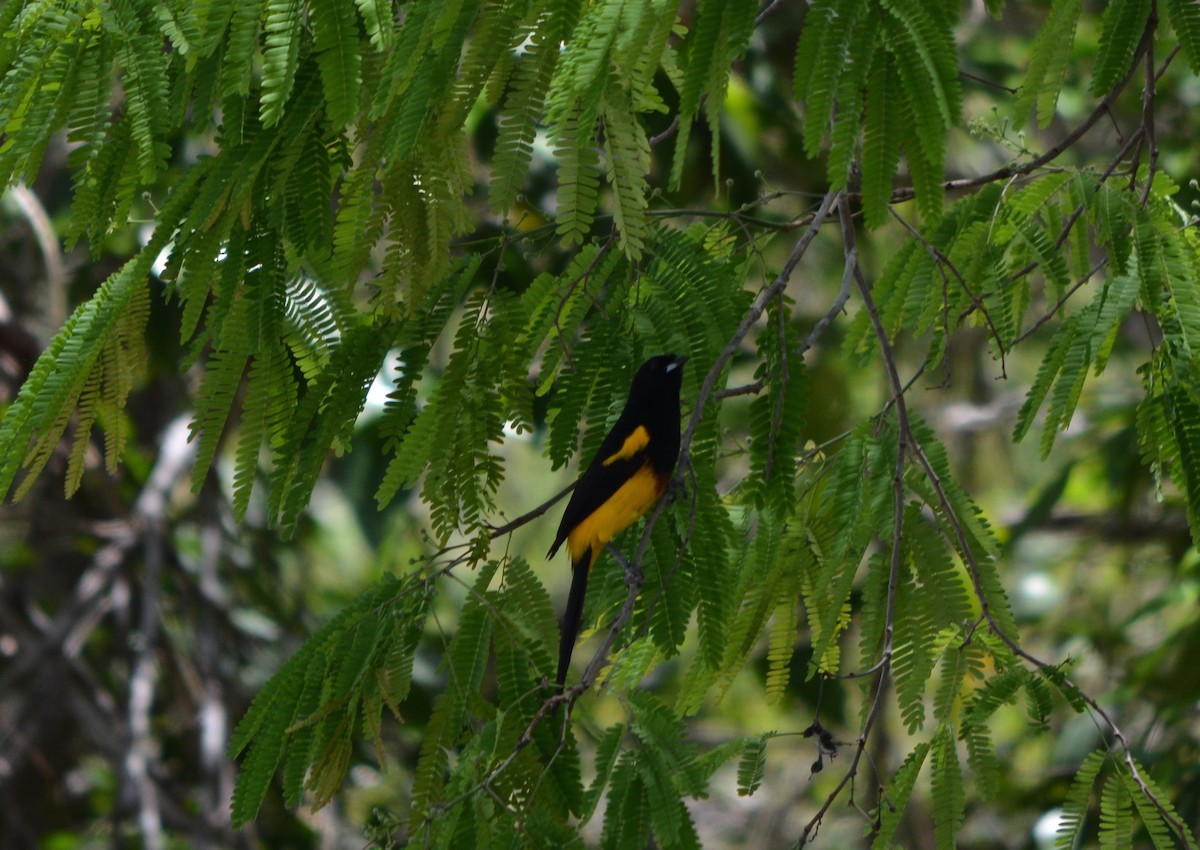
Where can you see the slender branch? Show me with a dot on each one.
(767, 11)
(1061, 301)
(884, 666)
(671, 130)
(944, 262)
(983, 81)
(739, 216)
(529, 516)
(839, 303)
(43, 230)
(746, 389)
(176, 455)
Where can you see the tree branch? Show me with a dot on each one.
(883, 668)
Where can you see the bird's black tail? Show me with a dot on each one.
(572, 620)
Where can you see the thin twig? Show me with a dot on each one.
(671, 130)
(983, 81)
(767, 11)
(944, 262)
(839, 303)
(1061, 301)
(527, 517)
(746, 389)
(884, 666)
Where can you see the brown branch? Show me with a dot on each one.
(883, 668)
(746, 389)
(671, 130)
(527, 517)
(1061, 301)
(983, 81)
(839, 303)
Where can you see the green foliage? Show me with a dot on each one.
(902, 54)
(1075, 806)
(1081, 344)
(462, 472)
(720, 35)
(1185, 20)
(336, 44)
(1122, 795)
(518, 120)
(948, 798)
(104, 334)
(317, 246)
(305, 719)
(1048, 63)
(881, 141)
(896, 796)
(750, 769)
(777, 417)
(1123, 27)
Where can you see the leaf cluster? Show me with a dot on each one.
(315, 242)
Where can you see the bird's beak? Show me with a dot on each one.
(677, 363)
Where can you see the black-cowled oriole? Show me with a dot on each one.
(628, 475)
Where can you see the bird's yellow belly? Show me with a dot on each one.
(621, 510)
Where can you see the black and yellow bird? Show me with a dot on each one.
(628, 475)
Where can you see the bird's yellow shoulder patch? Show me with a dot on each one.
(637, 440)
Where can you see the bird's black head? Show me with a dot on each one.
(658, 379)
